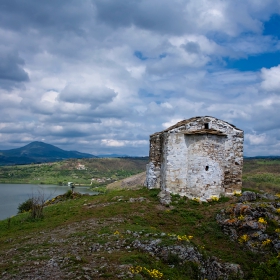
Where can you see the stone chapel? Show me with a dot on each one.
(200, 158)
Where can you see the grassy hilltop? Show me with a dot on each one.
(127, 234)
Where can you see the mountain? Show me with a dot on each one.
(263, 157)
(37, 152)
(112, 156)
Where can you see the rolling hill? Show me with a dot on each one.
(37, 152)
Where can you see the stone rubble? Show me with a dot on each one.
(165, 197)
(209, 268)
(248, 220)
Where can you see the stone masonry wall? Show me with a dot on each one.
(153, 168)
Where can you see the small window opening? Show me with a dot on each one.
(207, 168)
(206, 126)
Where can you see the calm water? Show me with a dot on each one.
(11, 195)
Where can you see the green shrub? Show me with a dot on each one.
(68, 194)
(33, 205)
(26, 206)
(269, 270)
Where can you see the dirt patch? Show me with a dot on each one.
(134, 182)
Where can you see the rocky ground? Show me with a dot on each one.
(92, 248)
(254, 222)
(66, 253)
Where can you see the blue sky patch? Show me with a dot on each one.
(272, 27)
(256, 62)
(163, 55)
(139, 55)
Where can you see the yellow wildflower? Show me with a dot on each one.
(214, 198)
(243, 238)
(184, 237)
(135, 270)
(262, 221)
(237, 193)
(266, 242)
(153, 273)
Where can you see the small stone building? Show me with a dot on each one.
(200, 158)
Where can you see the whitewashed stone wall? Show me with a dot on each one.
(197, 160)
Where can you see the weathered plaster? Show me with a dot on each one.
(200, 157)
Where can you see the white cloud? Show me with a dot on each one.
(81, 93)
(122, 143)
(104, 75)
(271, 81)
(50, 96)
(255, 139)
(170, 123)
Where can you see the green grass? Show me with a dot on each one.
(261, 175)
(187, 218)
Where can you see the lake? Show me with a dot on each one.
(11, 195)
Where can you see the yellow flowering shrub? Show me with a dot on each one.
(278, 210)
(277, 230)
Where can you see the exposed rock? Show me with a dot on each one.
(268, 196)
(209, 268)
(247, 223)
(165, 197)
(138, 199)
(248, 196)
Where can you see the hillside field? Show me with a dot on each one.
(78, 171)
(257, 173)
(128, 234)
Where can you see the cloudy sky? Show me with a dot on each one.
(100, 76)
